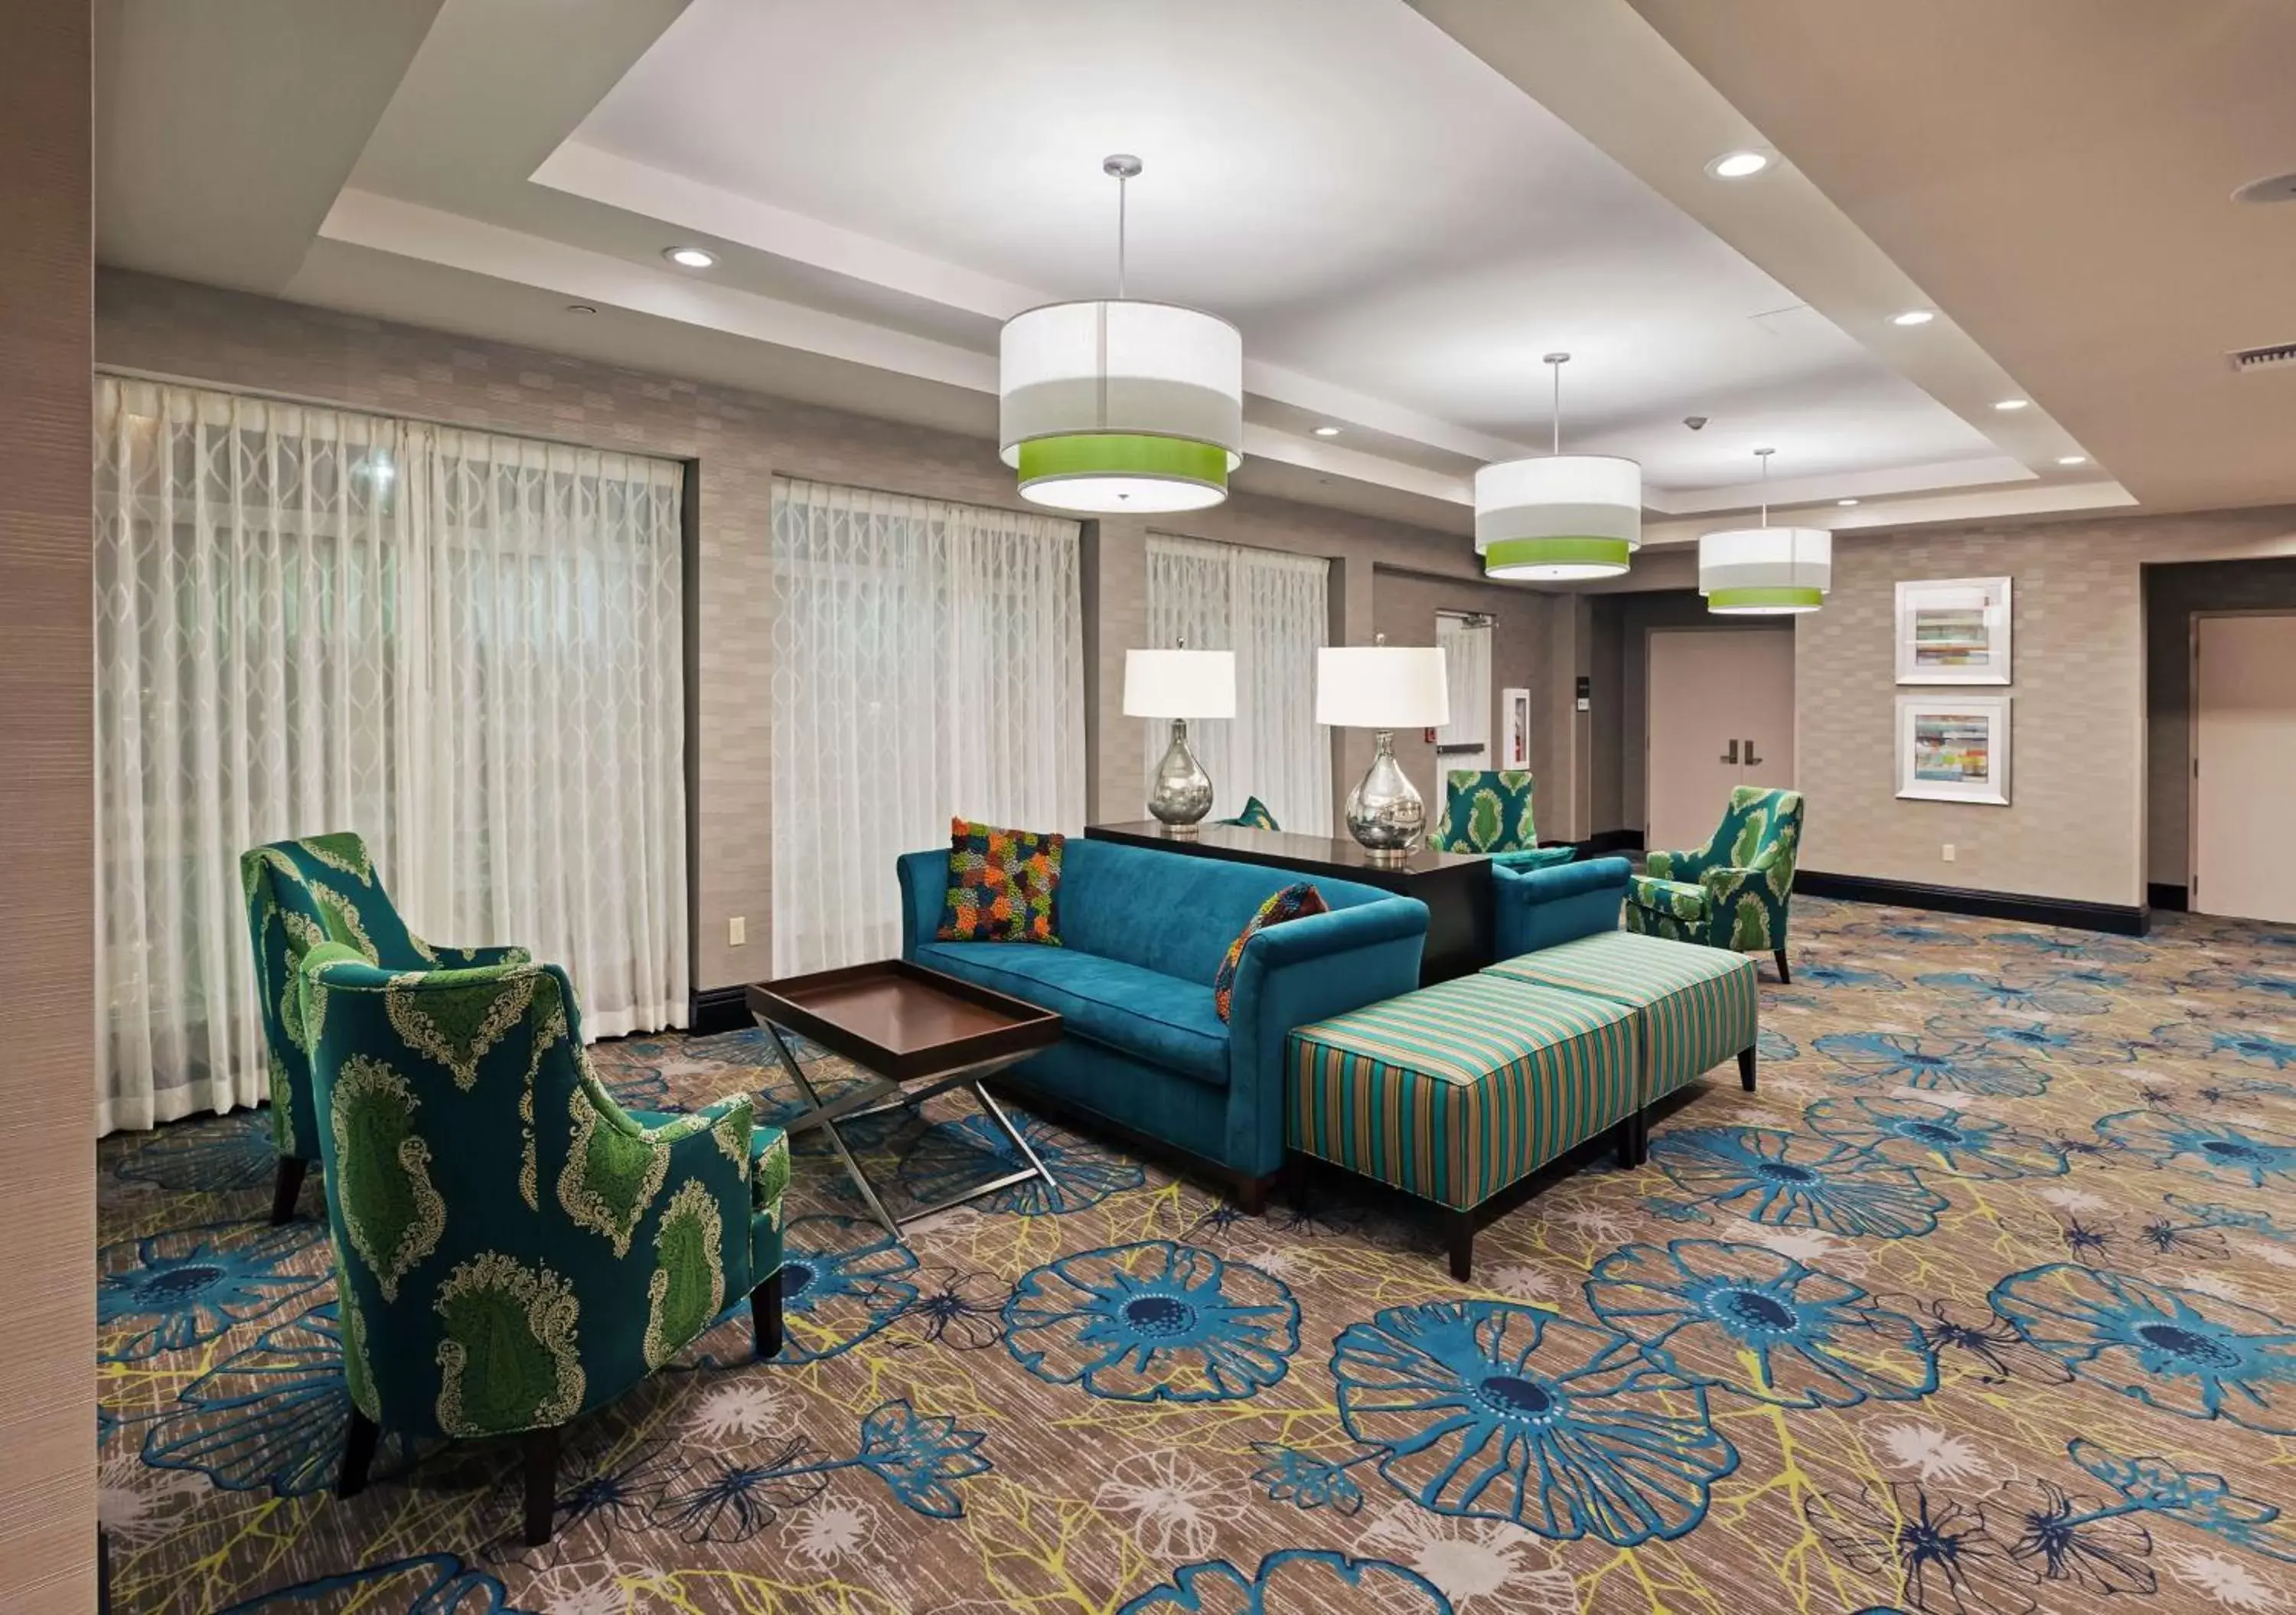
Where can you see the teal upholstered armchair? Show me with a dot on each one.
(511, 1248)
(299, 894)
(1731, 892)
(1488, 811)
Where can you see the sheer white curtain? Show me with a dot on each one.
(466, 648)
(928, 662)
(1466, 644)
(1271, 610)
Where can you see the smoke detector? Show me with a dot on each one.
(2273, 358)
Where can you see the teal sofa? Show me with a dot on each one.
(1143, 933)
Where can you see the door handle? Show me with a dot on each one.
(1731, 756)
(1751, 760)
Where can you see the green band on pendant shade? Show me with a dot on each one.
(1742, 600)
(1558, 552)
(1123, 454)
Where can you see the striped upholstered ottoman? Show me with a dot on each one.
(1460, 1090)
(1696, 1006)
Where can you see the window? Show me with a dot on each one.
(928, 663)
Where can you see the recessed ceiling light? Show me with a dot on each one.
(1845, 502)
(690, 258)
(1738, 165)
(2005, 403)
(581, 307)
(2072, 459)
(1914, 316)
(1327, 432)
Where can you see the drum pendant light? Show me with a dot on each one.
(1119, 406)
(1766, 571)
(1562, 516)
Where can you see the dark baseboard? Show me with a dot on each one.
(2126, 919)
(1602, 843)
(2169, 900)
(720, 1009)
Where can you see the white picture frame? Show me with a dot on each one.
(1514, 704)
(1955, 631)
(1953, 749)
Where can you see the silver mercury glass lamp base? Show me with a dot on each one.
(1181, 794)
(1384, 811)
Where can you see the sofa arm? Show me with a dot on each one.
(1536, 908)
(1304, 971)
(924, 891)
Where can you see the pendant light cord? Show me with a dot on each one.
(1122, 180)
(1556, 367)
(1763, 455)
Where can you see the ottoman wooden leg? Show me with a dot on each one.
(1459, 1235)
(1746, 1068)
(1630, 1141)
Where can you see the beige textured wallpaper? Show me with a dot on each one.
(47, 855)
(2076, 826)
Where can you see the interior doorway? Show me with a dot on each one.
(2243, 764)
(1465, 741)
(1721, 715)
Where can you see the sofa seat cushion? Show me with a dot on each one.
(1158, 1017)
(1455, 1091)
(1698, 1007)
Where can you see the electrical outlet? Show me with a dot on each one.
(1947, 852)
(737, 929)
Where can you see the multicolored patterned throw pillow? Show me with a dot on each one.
(1254, 816)
(1292, 903)
(1002, 884)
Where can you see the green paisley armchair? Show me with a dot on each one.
(513, 1248)
(1733, 892)
(299, 894)
(1488, 811)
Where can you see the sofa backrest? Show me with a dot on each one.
(1537, 908)
(1174, 912)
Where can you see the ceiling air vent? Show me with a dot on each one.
(2246, 359)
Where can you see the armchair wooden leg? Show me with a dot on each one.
(358, 1452)
(540, 1462)
(1630, 1141)
(766, 1316)
(286, 1189)
(1459, 1236)
(1746, 1067)
(1785, 975)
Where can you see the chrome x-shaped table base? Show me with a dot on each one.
(870, 1098)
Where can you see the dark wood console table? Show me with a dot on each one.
(1456, 887)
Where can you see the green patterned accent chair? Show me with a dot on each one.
(299, 894)
(1488, 811)
(1731, 892)
(513, 1248)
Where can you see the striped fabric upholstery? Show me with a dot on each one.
(1457, 1090)
(1698, 1007)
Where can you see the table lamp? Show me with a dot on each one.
(1179, 684)
(1383, 688)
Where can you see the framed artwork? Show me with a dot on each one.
(1953, 631)
(1953, 747)
(1515, 752)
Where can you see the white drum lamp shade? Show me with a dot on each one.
(1381, 687)
(1120, 406)
(1766, 571)
(1179, 683)
(1559, 517)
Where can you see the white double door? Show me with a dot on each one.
(2243, 765)
(1721, 716)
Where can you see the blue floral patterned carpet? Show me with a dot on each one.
(1985, 1303)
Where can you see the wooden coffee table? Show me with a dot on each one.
(916, 1033)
